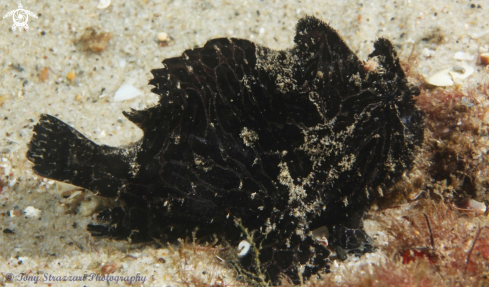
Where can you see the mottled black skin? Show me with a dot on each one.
(195, 170)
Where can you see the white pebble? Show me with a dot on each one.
(243, 248)
(32, 212)
(462, 56)
(162, 36)
(126, 92)
(122, 63)
(103, 4)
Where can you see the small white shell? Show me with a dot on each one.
(243, 248)
(103, 4)
(126, 92)
(447, 77)
(463, 56)
(32, 212)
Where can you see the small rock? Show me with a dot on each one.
(162, 36)
(14, 213)
(71, 76)
(8, 231)
(44, 74)
(126, 92)
(32, 212)
(484, 57)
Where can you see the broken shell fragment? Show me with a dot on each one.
(461, 72)
(103, 4)
(447, 77)
(479, 35)
(90, 205)
(72, 202)
(243, 248)
(463, 56)
(321, 234)
(66, 189)
(471, 205)
(126, 92)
